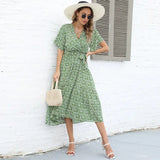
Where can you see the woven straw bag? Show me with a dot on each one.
(54, 96)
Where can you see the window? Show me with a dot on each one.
(115, 27)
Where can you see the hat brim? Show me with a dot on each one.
(97, 8)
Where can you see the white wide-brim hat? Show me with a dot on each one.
(97, 8)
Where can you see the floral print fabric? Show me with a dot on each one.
(80, 98)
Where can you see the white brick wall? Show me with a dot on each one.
(129, 91)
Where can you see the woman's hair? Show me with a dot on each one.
(88, 27)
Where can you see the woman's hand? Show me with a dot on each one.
(56, 75)
(88, 53)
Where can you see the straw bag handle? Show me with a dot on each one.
(56, 87)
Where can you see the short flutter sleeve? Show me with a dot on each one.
(96, 39)
(61, 38)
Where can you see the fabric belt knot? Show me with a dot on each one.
(83, 59)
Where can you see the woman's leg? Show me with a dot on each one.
(102, 130)
(69, 126)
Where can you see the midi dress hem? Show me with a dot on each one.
(51, 123)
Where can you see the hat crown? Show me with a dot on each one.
(82, 2)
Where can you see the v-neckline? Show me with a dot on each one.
(75, 32)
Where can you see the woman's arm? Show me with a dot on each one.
(56, 75)
(59, 58)
(104, 48)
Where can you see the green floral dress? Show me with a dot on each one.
(80, 99)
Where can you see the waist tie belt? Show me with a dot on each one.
(81, 57)
(79, 64)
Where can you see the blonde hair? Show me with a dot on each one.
(88, 27)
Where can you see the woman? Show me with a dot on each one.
(80, 99)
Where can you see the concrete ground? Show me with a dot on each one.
(136, 145)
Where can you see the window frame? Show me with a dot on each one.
(109, 56)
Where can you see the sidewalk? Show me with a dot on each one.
(137, 145)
